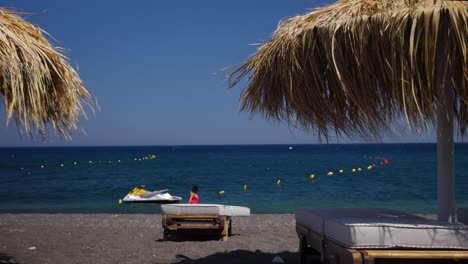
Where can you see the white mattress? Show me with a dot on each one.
(382, 228)
(204, 209)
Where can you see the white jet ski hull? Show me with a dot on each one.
(155, 199)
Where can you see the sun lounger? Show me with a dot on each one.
(361, 235)
(216, 218)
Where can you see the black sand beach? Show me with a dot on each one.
(117, 238)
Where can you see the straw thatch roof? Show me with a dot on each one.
(355, 65)
(40, 89)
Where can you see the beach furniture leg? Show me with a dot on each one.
(335, 253)
(308, 254)
(302, 251)
(225, 225)
(164, 226)
(163, 221)
(230, 227)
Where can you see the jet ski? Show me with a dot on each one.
(140, 195)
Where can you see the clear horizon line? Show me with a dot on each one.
(203, 145)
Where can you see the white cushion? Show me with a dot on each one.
(382, 228)
(314, 219)
(204, 209)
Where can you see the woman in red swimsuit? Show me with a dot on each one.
(194, 195)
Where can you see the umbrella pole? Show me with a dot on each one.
(445, 153)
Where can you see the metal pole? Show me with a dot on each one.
(445, 153)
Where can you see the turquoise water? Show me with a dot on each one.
(408, 182)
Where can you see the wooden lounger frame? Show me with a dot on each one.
(331, 252)
(220, 224)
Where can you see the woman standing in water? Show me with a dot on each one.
(194, 195)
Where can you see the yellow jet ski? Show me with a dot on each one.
(140, 195)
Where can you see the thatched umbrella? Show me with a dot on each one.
(352, 67)
(40, 89)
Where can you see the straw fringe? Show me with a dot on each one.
(39, 87)
(355, 65)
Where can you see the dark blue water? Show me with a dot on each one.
(92, 179)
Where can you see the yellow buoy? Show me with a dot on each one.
(369, 167)
(278, 182)
(61, 165)
(359, 169)
(221, 192)
(330, 173)
(340, 171)
(312, 176)
(74, 163)
(42, 166)
(353, 170)
(245, 187)
(120, 201)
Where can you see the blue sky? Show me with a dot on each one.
(154, 67)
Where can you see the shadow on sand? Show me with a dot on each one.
(193, 236)
(6, 259)
(241, 256)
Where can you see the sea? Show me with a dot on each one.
(265, 178)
